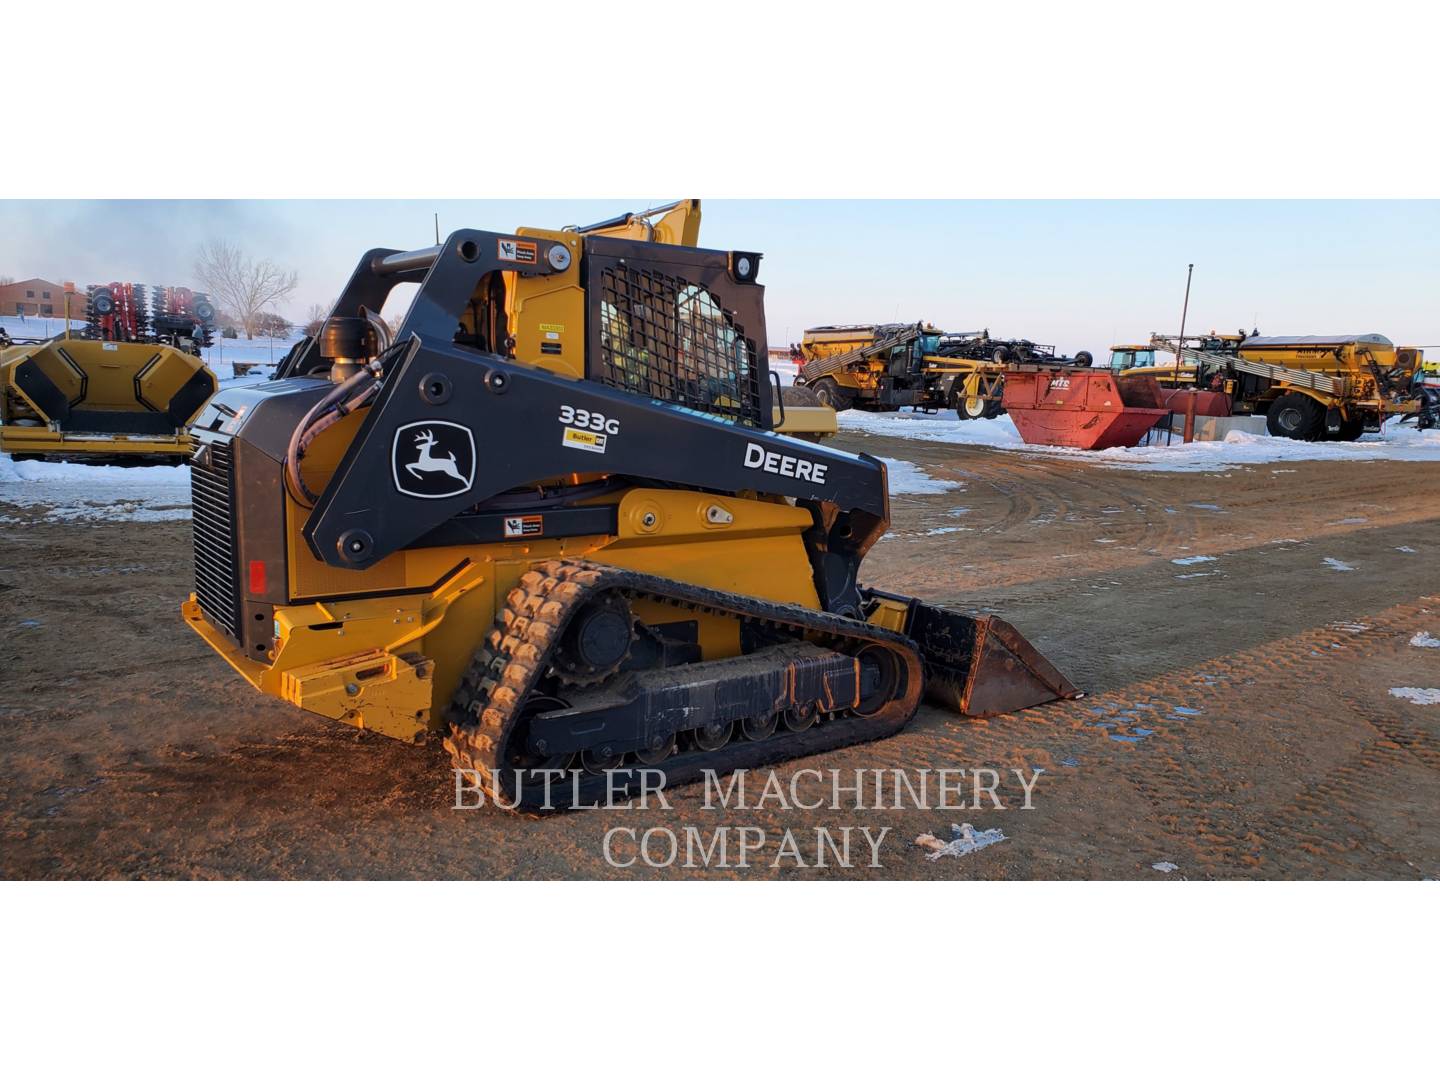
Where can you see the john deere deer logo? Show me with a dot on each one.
(427, 463)
(433, 459)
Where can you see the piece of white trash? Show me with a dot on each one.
(1423, 640)
(1417, 695)
(967, 840)
(1164, 867)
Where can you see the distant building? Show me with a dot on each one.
(36, 296)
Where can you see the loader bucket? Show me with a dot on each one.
(979, 666)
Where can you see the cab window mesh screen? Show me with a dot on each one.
(668, 339)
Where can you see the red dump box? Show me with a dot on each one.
(1082, 407)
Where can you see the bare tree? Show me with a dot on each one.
(6, 279)
(316, 316)
(243, 286)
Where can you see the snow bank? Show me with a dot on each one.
(907, 478)
(227, 352)
(73, 492)
(934, 427)
(33, 326)
(1396, 443)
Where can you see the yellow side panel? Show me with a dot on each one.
(547, 313)
(376, 661)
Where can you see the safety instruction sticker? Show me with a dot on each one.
(594, 441)
(519, 251)
(552, 328)
(525, 525)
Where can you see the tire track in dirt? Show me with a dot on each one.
(1236, 837)
(1107, 519)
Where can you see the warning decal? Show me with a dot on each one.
(594, 441)
(526, 525)
(518, 251)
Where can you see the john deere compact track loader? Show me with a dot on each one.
(551, 521)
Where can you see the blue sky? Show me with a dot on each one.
(1076, 274)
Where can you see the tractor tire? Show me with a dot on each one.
(802, 397)
(1295, 416)
(971, 408)
(829, 393)
(1083, 359)
(975, 407)
(1001, 355)
(1350, 430)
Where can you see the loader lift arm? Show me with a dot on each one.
(504, 404)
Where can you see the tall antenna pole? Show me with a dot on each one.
(437, 226)
(1184, 312)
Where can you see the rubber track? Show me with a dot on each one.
(515, 655)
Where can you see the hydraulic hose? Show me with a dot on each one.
(332, 408)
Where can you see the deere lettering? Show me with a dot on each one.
(757, 457)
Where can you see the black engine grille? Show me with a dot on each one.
(672, 340)
(217, 572)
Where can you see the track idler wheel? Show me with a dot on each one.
(759, 728)
(801, 718)
(657, 753)
(520, 757)
(712, 737)
(597, 761)
(882, 679)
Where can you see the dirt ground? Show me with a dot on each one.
(1238, 721)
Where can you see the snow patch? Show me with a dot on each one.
(72, 492)
(1336, 564)
(967, 839)
(907, 478)
(1417, 695)
(1423, 640)
(1164, 867)
(1191, 560)
(1395, 443)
